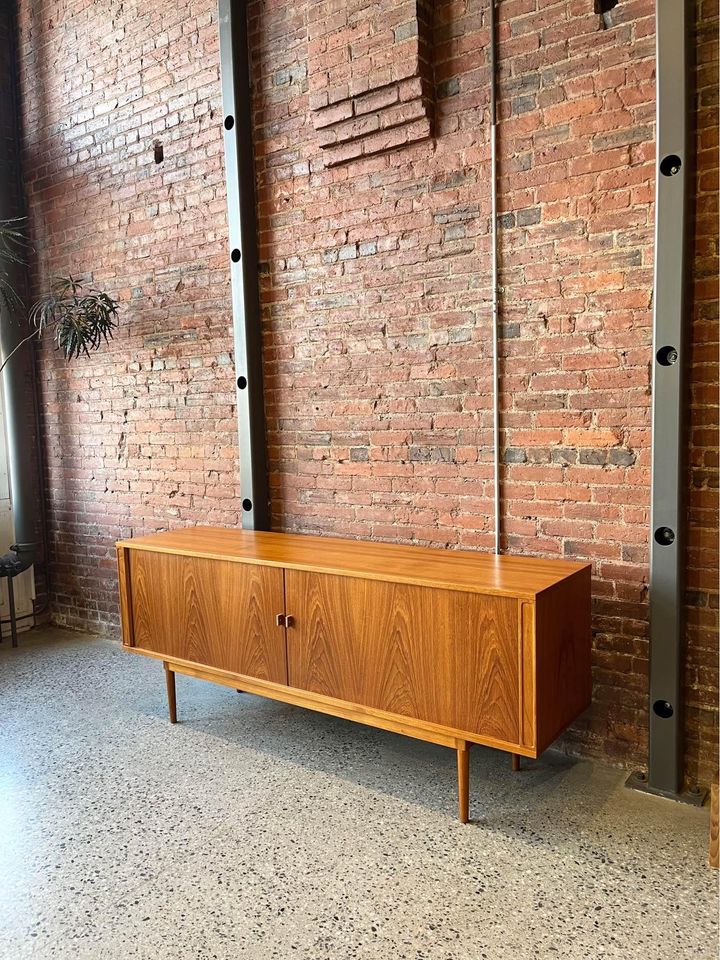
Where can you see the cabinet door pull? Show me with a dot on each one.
(280, 620)
(289, 621)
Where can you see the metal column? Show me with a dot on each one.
(17, 381)
(665, 764)
(243, 257)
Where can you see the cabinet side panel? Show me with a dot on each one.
(563, 655)
(123, 556)
(212, 612)
(436, 655)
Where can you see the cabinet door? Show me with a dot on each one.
(443, 656)
(212, 612)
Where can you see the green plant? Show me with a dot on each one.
(81, 317)
(13, 250)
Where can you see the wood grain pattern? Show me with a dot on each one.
(713, 854)
(463, 765)
(210, 612)
(461, 570)
(563, 647)
(453, 648)
(440, 656)
(527, 689)
(123, 556)
(171, 698)
(407, 726)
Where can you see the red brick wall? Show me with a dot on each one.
(143, 435)
(376, 304)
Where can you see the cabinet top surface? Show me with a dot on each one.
(522, 577)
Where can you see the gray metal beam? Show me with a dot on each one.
(243, 260)
(18, 378)
(665, 765)
(665, 762)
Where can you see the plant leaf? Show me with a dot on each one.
(82, 316)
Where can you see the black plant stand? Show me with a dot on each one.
(11, 604)
(10, 567)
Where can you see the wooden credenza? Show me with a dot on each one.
(452, 647)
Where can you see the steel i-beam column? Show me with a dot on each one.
(243, 257)
(665, 765)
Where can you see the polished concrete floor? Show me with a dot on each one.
(258, 830)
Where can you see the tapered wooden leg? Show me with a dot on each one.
(463, 763)
(170, 682)
(713, 857)
(515, 762)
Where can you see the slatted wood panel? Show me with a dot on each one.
(210, 612)
(441, 656)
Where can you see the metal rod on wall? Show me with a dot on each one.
(243, 258)
(494, 271)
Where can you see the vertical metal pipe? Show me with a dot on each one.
(494, 271)
(18, 378)
(243, 260)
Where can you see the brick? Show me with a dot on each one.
(592, 438)
(448, 88)
(363, 62)
(528, 216)
(335, 114)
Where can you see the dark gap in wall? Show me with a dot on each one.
(159, 152)
(605, 8)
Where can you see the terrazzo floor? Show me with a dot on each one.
(258, 830)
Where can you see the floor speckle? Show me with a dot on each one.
(258, 830)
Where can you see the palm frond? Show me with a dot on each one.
(82, 317)
(10, 299)
(14, 249)
(14, 245)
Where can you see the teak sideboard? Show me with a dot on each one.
(447, 646)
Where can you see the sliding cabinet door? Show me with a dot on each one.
(443, 656)
(211, 612)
